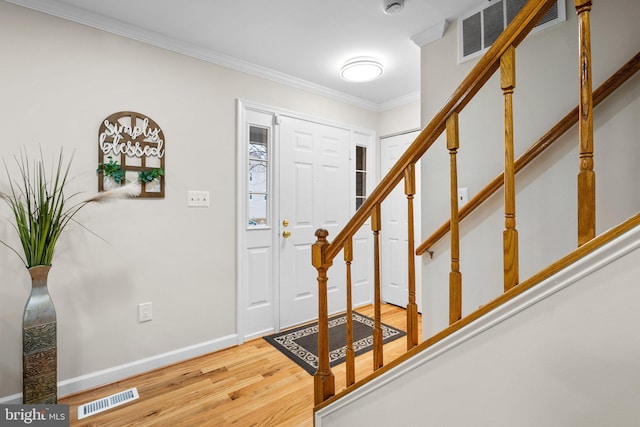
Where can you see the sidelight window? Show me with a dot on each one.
(258, 179)
(361, 175)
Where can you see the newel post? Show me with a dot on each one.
(323, 380)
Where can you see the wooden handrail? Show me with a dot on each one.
(513, 35)
(623, 74)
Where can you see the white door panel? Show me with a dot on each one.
(314, 165)
(394, 227)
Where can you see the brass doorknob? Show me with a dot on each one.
(286, 234)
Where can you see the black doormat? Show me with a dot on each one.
(301, 344)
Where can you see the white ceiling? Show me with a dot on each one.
(299, 42)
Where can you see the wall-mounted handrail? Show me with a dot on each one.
(623, 74)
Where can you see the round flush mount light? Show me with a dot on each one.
(361, 69)
(392, 7)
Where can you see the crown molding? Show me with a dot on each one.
(398, 102)
(81, 16)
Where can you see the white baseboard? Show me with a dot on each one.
(116, 373)
(258, 334)
(11, 400)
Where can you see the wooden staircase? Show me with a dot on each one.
(500, 58)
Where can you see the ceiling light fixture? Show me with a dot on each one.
(361, 69)
(392, 7)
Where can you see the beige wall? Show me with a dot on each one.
(399, 119)
(58, 81)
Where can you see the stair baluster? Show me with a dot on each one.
(586, 176)
(376, 226)
(350, 353)
(510, 234)
(455, 276)
(412, 307)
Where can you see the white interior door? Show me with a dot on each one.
(314, 193)
(394, 227)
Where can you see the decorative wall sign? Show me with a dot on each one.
(131, 148)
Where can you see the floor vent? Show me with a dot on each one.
(108, 402)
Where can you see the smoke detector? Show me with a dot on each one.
(392, 7)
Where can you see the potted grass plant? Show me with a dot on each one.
(42, 210)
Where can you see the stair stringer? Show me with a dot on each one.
(565, 352)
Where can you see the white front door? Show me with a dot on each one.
(314, 193)
(394, 227)
(299, 170)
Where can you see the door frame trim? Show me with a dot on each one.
(242, 285)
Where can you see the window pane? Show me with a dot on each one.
(361, 184)
(257, 209)
(361, 175)
(361, 158)
(258, 151)
(257, 134)
(257, 176)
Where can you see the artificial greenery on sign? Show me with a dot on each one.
(41, 208)
(111, 169)
(114, 170)
(150, 175)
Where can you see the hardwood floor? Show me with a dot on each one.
(248, 385)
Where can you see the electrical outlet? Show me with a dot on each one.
(198, 199)
(145, 313)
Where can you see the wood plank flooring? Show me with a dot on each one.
(248, 385)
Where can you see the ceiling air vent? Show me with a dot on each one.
(478, 30)
(108, 402)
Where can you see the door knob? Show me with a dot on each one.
(286, 234)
